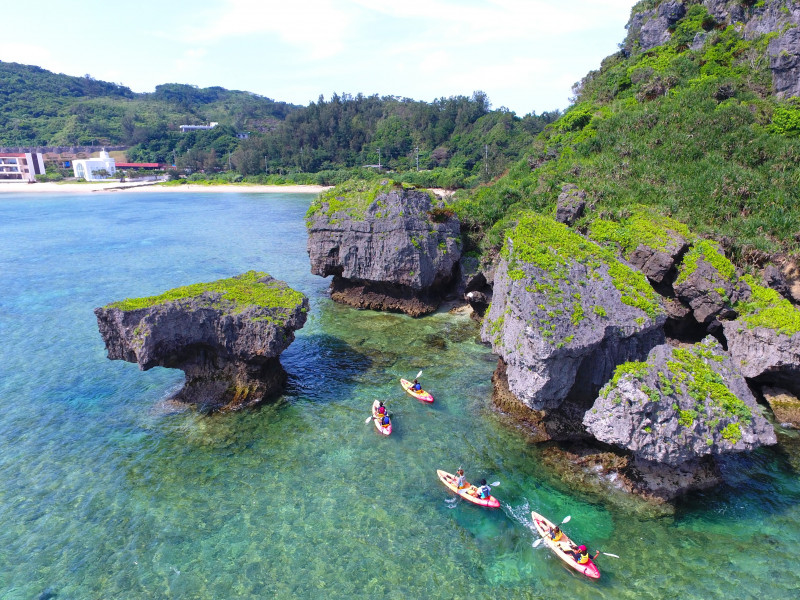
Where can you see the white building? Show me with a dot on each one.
(185, 128)
(21, 167)
(95, 169)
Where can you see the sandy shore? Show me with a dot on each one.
(150, 187)
(128, 187)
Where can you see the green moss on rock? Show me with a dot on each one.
(352, 198)
(644, 227)
(767, 308)
(236, 293)
(710, 252)
(554, 248)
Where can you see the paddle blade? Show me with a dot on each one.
(537, 542)
(566, 519)
(418, 375)
(495, 484)
(609, 554)
(368, 420)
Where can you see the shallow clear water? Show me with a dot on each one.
(107, 492)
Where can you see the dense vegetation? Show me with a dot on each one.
(452, 142)
(695, 134)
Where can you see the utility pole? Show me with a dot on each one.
(379, 159)
(229, 160)
(486, 158)
(265, 163)
(417, 158)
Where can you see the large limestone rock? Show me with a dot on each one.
(227, 336)
(565, 313)
(650, 27)
(571, 204)
(679, 405)
(388, 247)
(651, 242)
(764, 341)
(707, 282)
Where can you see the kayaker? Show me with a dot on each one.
(378, 409)
(385, 421)
(416, 387)
(484, 491)
(461, 483)
(580, 554)
(555, 533)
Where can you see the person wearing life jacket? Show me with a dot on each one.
(378, 409)
(416, 387)
(460, 481)
(555, 533)
(385, 422)
(484, 491)
(580, 554)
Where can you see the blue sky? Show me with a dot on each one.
(525, 54)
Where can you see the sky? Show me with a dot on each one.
(524, 54)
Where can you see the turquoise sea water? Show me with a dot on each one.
(107, 492)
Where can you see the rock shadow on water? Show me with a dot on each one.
(324, 368)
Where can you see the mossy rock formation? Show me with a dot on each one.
(388, 247)
(226, 336)
(565, 312)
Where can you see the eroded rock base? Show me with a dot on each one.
(563, 423)
(385, 297)
(232, 387)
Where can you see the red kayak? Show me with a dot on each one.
(469, 493)
(564, 543)
(421, 395)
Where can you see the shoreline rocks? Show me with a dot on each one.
(387, 246)
(564, 313)
(227, 336)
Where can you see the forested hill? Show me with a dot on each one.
(694, 116)
(461, 136)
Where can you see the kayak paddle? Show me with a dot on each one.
(495, 484)
(609, 554)
(566, 520)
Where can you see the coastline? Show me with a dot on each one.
(49, 187)
(115, 186)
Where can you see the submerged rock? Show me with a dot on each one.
(565, 312)
(227, 336)
(785, 406)
(388, 247)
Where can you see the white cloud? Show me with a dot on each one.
(316, 28)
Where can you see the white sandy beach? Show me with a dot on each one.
(150, 187)
(115, 186)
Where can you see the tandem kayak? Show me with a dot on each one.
(384, 429)
(543, 528)
(469, 493)
(421, 395)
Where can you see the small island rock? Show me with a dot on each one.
(388, 247)
(227, 336)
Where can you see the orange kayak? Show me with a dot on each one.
(543, 527)
(421, 395)
(469, 493)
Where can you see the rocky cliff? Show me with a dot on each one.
(765, 340)
(388, 247)
(653, 22)
(227, 336)
(564, 314)
(673, 410)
